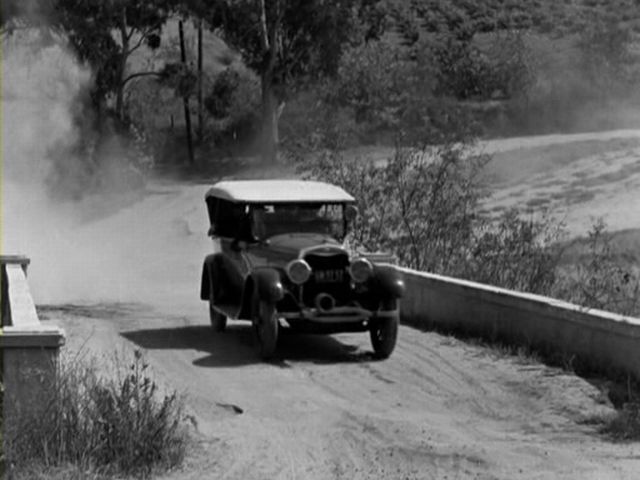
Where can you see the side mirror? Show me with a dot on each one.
(351, 213)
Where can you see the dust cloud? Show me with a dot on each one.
(90, 238)
(43, 90)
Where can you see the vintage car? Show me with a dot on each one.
(280, 261)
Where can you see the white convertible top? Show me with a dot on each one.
(278, 191)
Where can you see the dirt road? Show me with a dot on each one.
(438, 408)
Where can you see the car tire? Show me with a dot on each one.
(265, 327)
(218, 320)
(384, 334)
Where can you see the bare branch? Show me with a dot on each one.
(138, 75)
(264, 37)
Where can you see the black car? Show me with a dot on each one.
(280, 261)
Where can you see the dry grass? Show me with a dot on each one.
(98, 426)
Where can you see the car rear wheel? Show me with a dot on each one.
(265, 327)
(218, 320)
(384, 334)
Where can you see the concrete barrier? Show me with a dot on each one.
(601, 339)
(29, 348)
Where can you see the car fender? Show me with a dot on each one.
(219, 273)
(389, 282)
(269, 287)
(268, 284)
(207, 272)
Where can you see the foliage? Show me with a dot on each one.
(499, 69)
(91, 27)
(310, 34)
(233, 103)
(286, 42)
(376, 81)
(235, 93)
(450, 36)
(465, 18)
(625, 425)
(382, 94)
(599, 278)
(606, 45)
(180, 78)
(516, 253)
(120, 426)
(422, 205)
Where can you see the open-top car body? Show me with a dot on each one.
(280, 261)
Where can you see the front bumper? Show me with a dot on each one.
(338, 315)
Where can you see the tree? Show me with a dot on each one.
(288, 40)
(105, 34)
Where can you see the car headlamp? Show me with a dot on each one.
(298, 271)
(361, 270)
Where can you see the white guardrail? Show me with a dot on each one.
(29, 348)
(603, 340)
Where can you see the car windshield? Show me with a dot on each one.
(277, 219)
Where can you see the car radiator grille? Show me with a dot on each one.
(330, 275)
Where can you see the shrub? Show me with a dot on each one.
(625, 425)
(405, 208)
(599, 277)
(490, 66)
(115, 426)
(422, 206)
(388, 94)
(373, 81)
(606, 46)
(515, 252)
(234, 105)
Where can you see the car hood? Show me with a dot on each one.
(295, 245)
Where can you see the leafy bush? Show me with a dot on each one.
(388, 94)
(374, 81)
(606, 47)
(493, 66)
(422, 206)
(234, 105)
(516, 253)
(118, 426)
(404, 207)
(599, 277)
(625, 425)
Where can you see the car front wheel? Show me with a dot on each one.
(265, 327)
(384, 334)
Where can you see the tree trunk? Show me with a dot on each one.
(270, 45)
(270, 136)
(122, 66)
(200, 86)
(185, 99)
